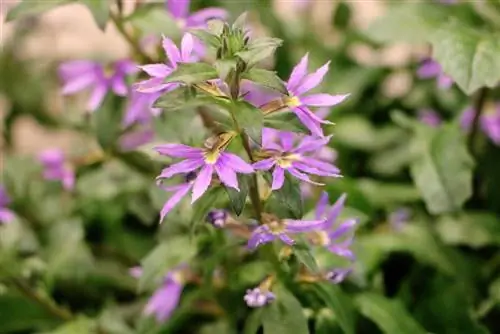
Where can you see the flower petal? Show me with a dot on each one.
(265, 164)
(164, 301)
(311, 144)
(299, 226)
(157, 70)
(286, 138)
(302, 176)
(133, 140)
(306, 119)
(321, 206)
(335, 211)
(261, 235)
(428, 69)
(179, 151)
(312, 80)
(174, 200)
(186, 47)
(97, 97)
(178, 8)
(202, 16)
(184, 166)
(226, 175)
(202, 182)
(286, 239)
(298, 73)
(323, 100)
(278, 178)
(342, 229)
(78, 83)
(171, 51)
(236, 163)
(321, 166)
(310, 170)
(119, 86)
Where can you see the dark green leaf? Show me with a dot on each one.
(469, 56)
(27, 8)
(303, 253)
(265, 78)
(191, 73)
(443, 172)
(339, 303)
(284, 121)
(152, 19)
(285, 315)
(253, 322)
(165, 257)
(237, 198)
(342, 16)
(250, 119)
(390, 316)
(289, 196)
(78, 326)
(99, 10)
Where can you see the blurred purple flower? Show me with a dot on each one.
(337, 275)
(179, 9)
(56, 168)
(159, 72)
(6, 215)
(208, 160)
(336, 237)
(80, 74)
(165, 300)
(136, 138)
(399, 217)
(276, 228)
(258, 297)
(140, 108)
(432, 69)
(489, 122)
(257, 95)
(296, 159)
(429, 117)
(217, 217)
(299, 83)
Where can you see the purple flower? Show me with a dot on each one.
(179, 9)
(300, 83)
(431, 69)
(275, 228)
(429, 117)
(208, 161)
(336, 237)
(296, 159)
(337, 275)
(140, 108)
(399, 217)
(165, 300)
(56, 168)
(136, 138)
(80, 74)
(258, 297)
(6, 215)
(159, 72)
(217, 218)
(489, 122)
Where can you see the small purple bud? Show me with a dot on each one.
(258, 298)
(217, 218)
(337, 275)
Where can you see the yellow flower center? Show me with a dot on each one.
(293, 101)
(319, 238)
(211, 157)
(177, 277)
(286, 160)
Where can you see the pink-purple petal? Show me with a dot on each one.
(305, 118)
(200, 17)
(265, 164)
(202, 182)
(343, 229)
(312, 80)
(96, 97)
(186, 47)
(181, 191)
(178, 8)
(300, 226)
(172, 52)
(226, 175)
(335, 211)
(278, 178)
(157, 70)
(321, 206)
(236, 163)
(184, 166)
(298, 73)
(301, 176)
(323, 100)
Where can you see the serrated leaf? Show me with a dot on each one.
(238, 199)
(303, 253)
(469, 56)
(28, 8)
(265, 78)
(443, 172)
(289, 196)
(100, 11)
(250, 119)
(389, 315)
(284, 315)
(339, 303)
(412, 22)
(166, 256)
(191, 73)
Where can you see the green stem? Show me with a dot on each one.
(42, 300)
(478, 109)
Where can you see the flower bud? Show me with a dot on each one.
(217, 218)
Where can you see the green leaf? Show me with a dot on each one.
(152, 19)
(253, 322)
(413, 22)
(268, 79)
(237, 198)
(206, 37)
(28, 8)
(443, 172)
(284, 121)
(342, 16)
(475, 229)
(250, 119)
(259, 49)
(191, 73)
(225, 66)
(289, 195)
(213, 198)
(284, 315)
(165, 257)
(303, 253)
(469, 56)
(107, 122)
(339, 303)
(385, 194)
(100, 11)
(79, 326)
(389, 315)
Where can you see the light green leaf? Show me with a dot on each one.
(475, 229)
(265, 78)
(207, 37)
(384, 194)
(153, 19)
(237, 198)
(443, 172)
(28, 8)
(99, 10)
(79, 326)
(389, 315)
(284, 315)
(225, 66)
(469, 56)
(165, 257)
(191, 73)
(339, 303)
(259, 49)
(250, 119)
(411, 22)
